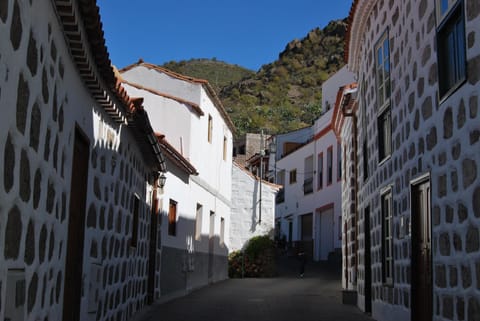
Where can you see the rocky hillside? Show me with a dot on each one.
(283, 95)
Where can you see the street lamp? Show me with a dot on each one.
(161, 180)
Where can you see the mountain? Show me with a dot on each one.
(283, 95)
(218, 73)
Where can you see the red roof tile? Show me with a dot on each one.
(209, 89)
(194, 106)
(173, 155)
(83, 32)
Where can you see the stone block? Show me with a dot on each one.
(469, 171)
(25, 186)
(440, 276)
(13, 233)
(16, 28)
(448, 123)
(472, 239)
(476, 202)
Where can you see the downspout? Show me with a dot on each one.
(153, 241)
(355, 186)
(355, 171)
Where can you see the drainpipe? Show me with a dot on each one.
(351, 113)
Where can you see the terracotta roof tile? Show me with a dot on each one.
(173, 155)
(209, 89)
(276, 187)
(194, 106)
(84, 35)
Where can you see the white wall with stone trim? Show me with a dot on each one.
(43, 99)
(438, 137)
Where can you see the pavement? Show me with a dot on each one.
(287, 297)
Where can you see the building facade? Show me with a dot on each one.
(77, 161)
(195, 205)
(417, 65)
(308, 164)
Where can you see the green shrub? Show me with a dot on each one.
(257, 260)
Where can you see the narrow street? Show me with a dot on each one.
(315, 297)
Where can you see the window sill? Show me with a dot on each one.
(451, 91)
(385, 160)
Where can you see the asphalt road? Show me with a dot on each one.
(315, 297)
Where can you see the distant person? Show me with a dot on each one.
(302, 258)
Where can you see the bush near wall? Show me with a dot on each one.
(255, 261)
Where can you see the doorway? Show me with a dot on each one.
(306, 234)
(76, 228)
(367, 261)
(325, 230)
(152, 248)
(211, 247)
(421, 288)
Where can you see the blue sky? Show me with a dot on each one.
(249, 33)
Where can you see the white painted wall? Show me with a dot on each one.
(245, 208)
(330, 87)
(188, 133)
(174, 115)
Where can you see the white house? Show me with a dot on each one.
(253, 212)
(78, 160)
(309, 166)
(196, 202)
(417, 66)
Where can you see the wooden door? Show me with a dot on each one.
(326, 233)
(76, 229)
(368, 261)
(421, 288)
(152, 248)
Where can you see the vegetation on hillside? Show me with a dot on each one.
(283, 95)
(218, 73)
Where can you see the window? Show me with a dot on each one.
(172, 218)
(384, 135)
(136, 209)
(382, 66)
(387, 237)
(211, 232)
(198, 222)
(222, 231)
(320, 171)
(451, 46)
(224, 148)
(339, 161)
(308, 176)
(363, 94)
(210, 128)
(281, 177)
(329, 165)
(293, 176)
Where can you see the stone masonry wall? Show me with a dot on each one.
(428, 136)
(42, 100)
